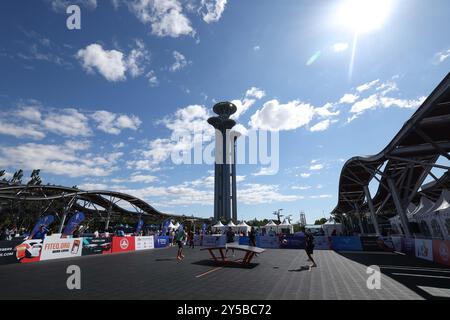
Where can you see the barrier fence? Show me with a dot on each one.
(55, 247)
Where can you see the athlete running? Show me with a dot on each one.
(179, 237)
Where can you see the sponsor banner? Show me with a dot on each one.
(123, 244)
(214, 241)
(8, 252)
(144, 243)
(372, 243)
(244, 241)
(409, 245)
(162, 241)
(43, 222)
(322, 243)
(29, 251)
(73, 223)
(96, 246)
(267, 242)
(397, 243)
(424, 249)
(441, 252)
(197, 240)
(293, 242)
(59, 248)
(346, 243)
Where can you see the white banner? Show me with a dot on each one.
(56, 248)
(144, 243)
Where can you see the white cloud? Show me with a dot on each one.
(441, 56)
(327, 111)
(180, 62)
(57, 159)
(137, 178)
(152, 79)
(266, 171)
(67, 122)
(301, 188)
(321, 196)
(349, 98)
(61, 5)
(93, 186)
(305, 175)
(321, 126)
(367, 86)
(387, 102)
(259, 193)
(316, 167)
(113, 123)
(165, 17)
(370, 102)
(137, 59)
(256, 48)
(30, 113)
(251, 95)
(340, 47)
(21, 131)
(109, 63)
(214, 10)
(275, 116)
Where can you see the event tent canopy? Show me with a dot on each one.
(424, 206)
(231, 224)
(218, 225)
(443, 202)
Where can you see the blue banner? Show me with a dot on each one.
(43, 222)
(293, 242)
(73, 223)
(162, 241)
(139, 226)
(346, 243)
(268, 242)
(243, 241)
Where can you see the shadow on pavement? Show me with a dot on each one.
(411, 272)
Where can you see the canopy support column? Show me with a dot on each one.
(399, 207)
(372, 210)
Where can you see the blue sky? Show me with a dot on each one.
(98, 107)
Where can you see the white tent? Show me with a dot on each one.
(243, 227)
(270, 227)
(438, 216)
(331, 225)
(231, 224)
(286, 227)
(171, 226)
(218, 225)
(176, 226)
(420, 216)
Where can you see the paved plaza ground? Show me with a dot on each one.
(275, 274)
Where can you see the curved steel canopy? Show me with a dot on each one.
(407, 159)
(75, 196)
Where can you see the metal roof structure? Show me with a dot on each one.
(105, 204)
(402, 167)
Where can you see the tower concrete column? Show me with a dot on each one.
(225, 170)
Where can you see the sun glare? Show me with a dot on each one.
(364, 15)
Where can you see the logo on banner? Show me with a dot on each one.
(443, 252)
(124, 244)
(374, 279)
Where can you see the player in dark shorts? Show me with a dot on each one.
(230, 238)
(252, 237)
(179, 237)
(309, 248)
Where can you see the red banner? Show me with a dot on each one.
(441, 252)
(123, 244)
